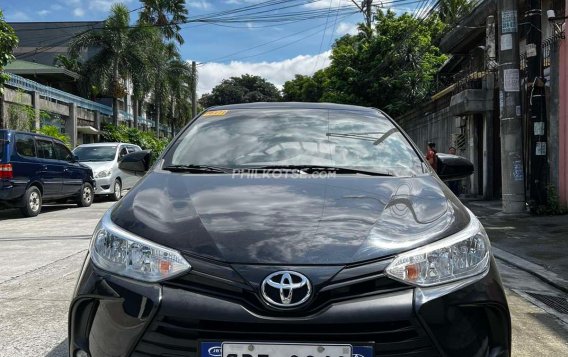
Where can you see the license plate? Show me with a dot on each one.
(249, 349)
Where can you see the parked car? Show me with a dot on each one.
(290, 229)
(103, 158)
(35, 169)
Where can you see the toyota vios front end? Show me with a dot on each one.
(289, 230)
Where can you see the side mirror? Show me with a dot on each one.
(73, 158)
(452, 167)
(136, 163)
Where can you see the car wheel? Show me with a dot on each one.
(32, 202)
(86, 196)
(117, 191)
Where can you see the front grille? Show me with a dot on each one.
(173, 337)
(323, 297)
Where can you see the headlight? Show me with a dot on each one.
(121, 252)
(459, 256)
(103, 173)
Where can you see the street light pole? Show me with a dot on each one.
(512, 170)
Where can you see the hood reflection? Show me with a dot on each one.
(288, 220)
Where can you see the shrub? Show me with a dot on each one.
(146, 140)
(53, 131)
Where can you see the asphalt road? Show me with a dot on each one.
(40, 259)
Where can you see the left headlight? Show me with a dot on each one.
(103, 173)
(459, 256)
(118, 251)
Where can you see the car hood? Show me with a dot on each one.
(98, 165)
(291, 221)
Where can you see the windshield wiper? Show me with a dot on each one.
(198, 168)
(320, 168)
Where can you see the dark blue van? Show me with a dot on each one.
(36, 168)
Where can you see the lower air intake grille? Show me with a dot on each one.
(170, 336)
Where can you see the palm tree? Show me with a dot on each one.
(451, 11)
(119, 53)
(167, 15)
(70, 63)
(172, 79)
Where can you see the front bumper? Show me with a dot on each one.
(104, 186)
(114, 316)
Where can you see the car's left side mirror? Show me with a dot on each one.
(136, 163)
(452, 167)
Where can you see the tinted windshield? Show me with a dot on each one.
(262, 137)
(95, 153)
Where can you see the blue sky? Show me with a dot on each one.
(275, 51)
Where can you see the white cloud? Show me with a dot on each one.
(199, 4)
(43, 12)
(344, 28)
(211, 74)
(18, 16)
(56, 7)
(324, 4)
(78, 12)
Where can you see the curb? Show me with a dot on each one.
(540, 272)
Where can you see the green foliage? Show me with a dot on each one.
(146, 140)
(70, 63)
(553, 205)
(451, 11)
(54, 132)
(244, 89)
(8, 41)
(392, 68)
(166, 15)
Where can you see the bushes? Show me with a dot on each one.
(54, 132)
(146, 140)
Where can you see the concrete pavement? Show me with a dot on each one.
(40, 259)
(526, 239)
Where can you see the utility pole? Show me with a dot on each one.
(366, 7)
(512, 170)
(193, 89)
(537, 173)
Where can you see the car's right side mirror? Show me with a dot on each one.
(136, 163)
(452, 167)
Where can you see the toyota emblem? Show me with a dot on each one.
(286, 289)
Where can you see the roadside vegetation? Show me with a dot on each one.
(146, 140)
(8, 41)
(143, 53)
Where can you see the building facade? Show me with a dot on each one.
(467, 111)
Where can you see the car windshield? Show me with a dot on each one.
(95, 153)
(248, 138)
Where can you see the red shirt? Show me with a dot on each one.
(432, 159)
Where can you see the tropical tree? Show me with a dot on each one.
(167, 15)
(70, 63)
(392, 67)
(244, 89)
(8, 41)
(451, 11)
(119, 53)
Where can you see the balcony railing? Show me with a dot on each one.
(61, 96)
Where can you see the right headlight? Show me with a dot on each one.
(118, 251)
(103, 173)
(459, 256)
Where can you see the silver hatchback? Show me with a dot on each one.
(103, 159)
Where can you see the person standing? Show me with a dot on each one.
(431, 156)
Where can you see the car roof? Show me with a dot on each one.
(296, 105)
(107, 144)
(30, 133)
